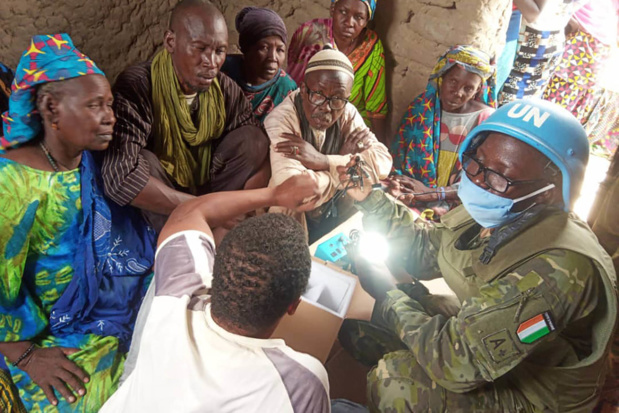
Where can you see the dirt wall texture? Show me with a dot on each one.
(117, 33)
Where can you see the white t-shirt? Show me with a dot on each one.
(188, 363)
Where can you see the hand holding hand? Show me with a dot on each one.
(51, 370)
(357, 141)
(299, 192)
(294, 147)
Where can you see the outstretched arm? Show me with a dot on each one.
(299, 192)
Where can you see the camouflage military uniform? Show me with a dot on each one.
(533, 331)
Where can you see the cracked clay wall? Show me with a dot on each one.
(116, 33)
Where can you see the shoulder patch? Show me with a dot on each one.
(535, 328)
(501, 346)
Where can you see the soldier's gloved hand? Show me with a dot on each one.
(415, 290)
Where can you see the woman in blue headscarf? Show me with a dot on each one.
(74, 266)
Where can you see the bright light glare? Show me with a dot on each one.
(373, 247)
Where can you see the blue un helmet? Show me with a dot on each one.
(547, 127)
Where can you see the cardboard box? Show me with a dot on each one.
(332, 295)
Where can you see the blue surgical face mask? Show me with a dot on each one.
(487, 209)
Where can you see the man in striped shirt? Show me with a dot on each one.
(183, 128)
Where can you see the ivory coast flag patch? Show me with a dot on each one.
(535, 328)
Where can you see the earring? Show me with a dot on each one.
(54, 126)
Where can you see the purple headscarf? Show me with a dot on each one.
(254, 23)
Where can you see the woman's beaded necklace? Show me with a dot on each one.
(51, 160)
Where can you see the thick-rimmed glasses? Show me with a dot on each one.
(318, 99)
(493, 179)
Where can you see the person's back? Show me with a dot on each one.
(210, 351)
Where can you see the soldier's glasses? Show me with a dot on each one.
(494, 180)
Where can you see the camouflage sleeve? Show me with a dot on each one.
(413, 244)
(501, 327)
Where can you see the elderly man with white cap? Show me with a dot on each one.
(316, 129)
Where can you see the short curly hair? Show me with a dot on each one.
(262, 266)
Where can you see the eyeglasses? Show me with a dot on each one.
(492, 179)
(318, 99)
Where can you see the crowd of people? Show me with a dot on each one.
(154, 232)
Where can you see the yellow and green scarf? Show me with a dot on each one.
(184, 150)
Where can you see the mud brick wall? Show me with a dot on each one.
(116, 33)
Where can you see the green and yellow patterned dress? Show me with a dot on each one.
(42, 226)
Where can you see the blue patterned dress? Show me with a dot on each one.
(73, 271)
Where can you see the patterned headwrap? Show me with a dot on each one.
(371, 4)
(255, 23)
(417, 144)
(49, 58)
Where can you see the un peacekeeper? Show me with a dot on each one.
(537, 292)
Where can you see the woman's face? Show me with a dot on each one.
(457, 88)
(83, 113)
(265, 58)
(350, 17)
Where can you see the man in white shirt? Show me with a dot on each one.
(205, 345)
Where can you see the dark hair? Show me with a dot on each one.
(262, 266)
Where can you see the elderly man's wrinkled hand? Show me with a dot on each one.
(355, 191)
(52, 371)
(294, 147)
(358, 141)
(299, 192)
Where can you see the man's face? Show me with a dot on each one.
(329, 84)
(516, 161)
(198, 46)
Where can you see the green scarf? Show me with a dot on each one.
(184, 150)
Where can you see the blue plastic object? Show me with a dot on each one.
(333, 249)
(550, 129)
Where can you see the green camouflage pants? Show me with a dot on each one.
(398, 384)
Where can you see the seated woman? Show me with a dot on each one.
(74, 266)
(425, 150)
(347, 31)
(258, 71)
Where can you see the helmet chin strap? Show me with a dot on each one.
(532, 194)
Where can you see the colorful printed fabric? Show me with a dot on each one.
(369, 91)
(263, 97)
(308, 40)
(371, 5)
(574, 82)
(74, 269)
(6, 78)
(416, 148)
(9, 396)
(49, 58)
(537, 57)
(602, 126)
